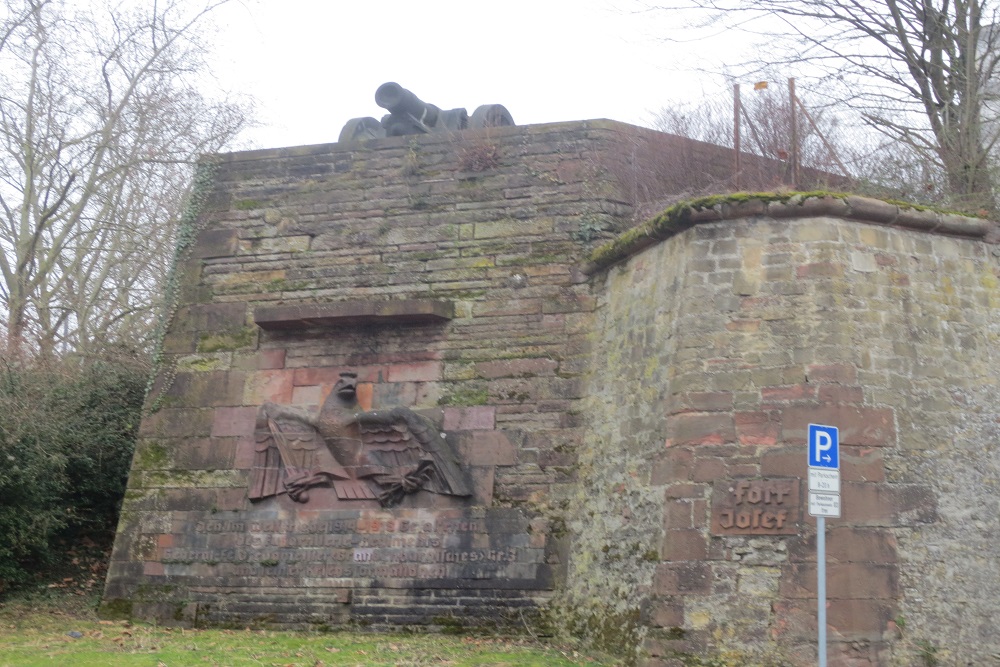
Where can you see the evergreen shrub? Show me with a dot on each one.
(67, 432)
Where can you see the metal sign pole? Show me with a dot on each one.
(821, 586)
(824, 500)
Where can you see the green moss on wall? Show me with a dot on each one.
(466, 396)
(233, 340)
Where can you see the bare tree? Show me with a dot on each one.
(923, 72)
(828, 146)
(766, 121)
(101, 119)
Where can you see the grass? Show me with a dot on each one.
(36, 630)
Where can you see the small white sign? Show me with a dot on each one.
(824, 504)
(822, 479)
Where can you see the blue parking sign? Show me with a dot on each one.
(824, 447)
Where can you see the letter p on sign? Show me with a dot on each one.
(824, 447)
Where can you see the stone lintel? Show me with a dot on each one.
(348, 313)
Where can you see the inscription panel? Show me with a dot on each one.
(756, 507)
(402, 548)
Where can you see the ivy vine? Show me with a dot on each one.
(191, 224)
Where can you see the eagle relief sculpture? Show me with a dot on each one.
(363, 455)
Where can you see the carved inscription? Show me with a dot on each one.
(755, 507)
(356, 546)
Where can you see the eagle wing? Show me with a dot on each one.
(287, 449)
(404, 448)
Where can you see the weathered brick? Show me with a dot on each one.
(795, 392)
(702, 401)
(684, 545)
(757, 428)
(672, 465)
(692, 578)
(271, 359)
(848, 544)
(425, 371)
(835, 373)
(677, 514)
(272, 385)
(477, 418)
(708, 469)
(872, 427)
(516, 368)
(838, 394)
(853, 580)
(820, 270)
(233, 422)
(700, 428)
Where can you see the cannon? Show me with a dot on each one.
(408, 114)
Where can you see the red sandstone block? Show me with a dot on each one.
(152, 569)
(820, 270)
(485, 448)
(422, 371)
(690, 491)
(700, 429)
(840, 394)
(478, 418)
(308, 377)
(677, 514)
(757, 428)
(702, 401)
(233, 422)
(230, 499)
(164, 541)
(784, 462)
(666, 614)
(848, 544)
(744, 325)
(686, 544)
(845, 581)
(794, 619)
(835, 373)
(506, 308)
(859, 619)
(273, 385)
(672, 465)
(874, 427)
(179, 422)
(694, 578)
(517, 368)
(245, 453)
(794, 392)
(866, 504)
(708, 469)
(862, 464)
(270, 359)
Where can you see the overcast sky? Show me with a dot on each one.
(314, 64)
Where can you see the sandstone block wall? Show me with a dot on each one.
(482, 231)
(714, 351)
(632, 421)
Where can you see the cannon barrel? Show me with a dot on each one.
(401, 102)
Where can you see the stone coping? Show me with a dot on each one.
(685, 215)
(349, 313)
(498, 133)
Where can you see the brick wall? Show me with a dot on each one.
(608, 416)
(714, 351)
(423, 221)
